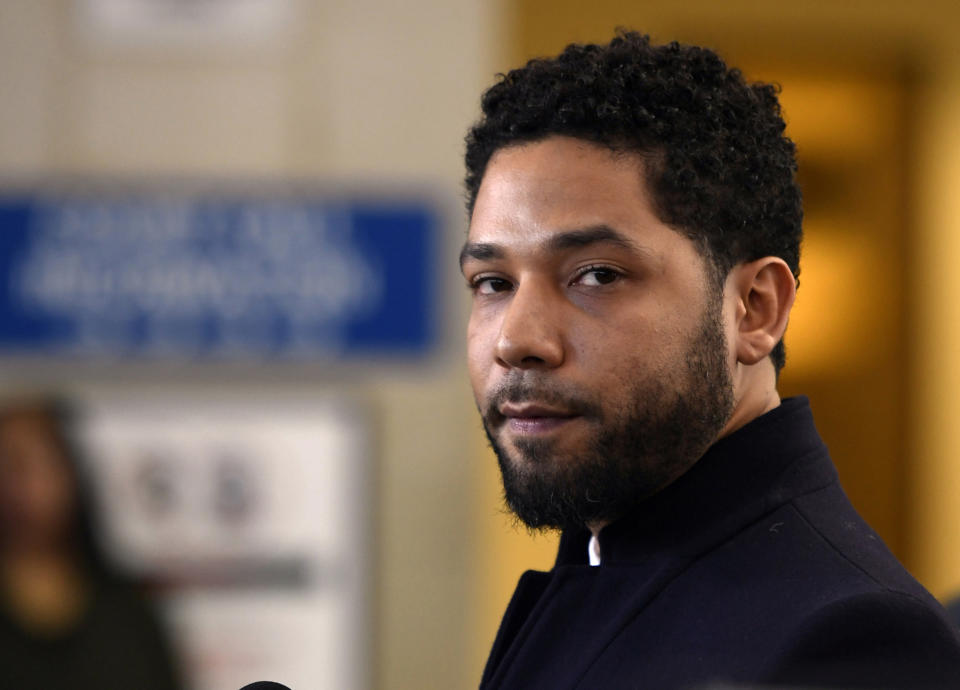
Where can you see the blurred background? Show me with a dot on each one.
(228, 233)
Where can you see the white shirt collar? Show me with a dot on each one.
(593, 550)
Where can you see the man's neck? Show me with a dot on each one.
(755, 394)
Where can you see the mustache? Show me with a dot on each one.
(521, 391)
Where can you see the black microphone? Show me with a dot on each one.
(264, 685)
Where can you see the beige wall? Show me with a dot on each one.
(358, 92)
(361, 88)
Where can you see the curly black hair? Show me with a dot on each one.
(717, 163)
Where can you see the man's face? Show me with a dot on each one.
(595, 344)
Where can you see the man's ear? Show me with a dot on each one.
(764, 291)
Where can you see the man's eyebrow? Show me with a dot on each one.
(562, 241)
(584, 237)
(481, 251)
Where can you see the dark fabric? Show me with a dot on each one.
(752, 568)
(117, 643)
(953, 609)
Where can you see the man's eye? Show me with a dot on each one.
(595, 277)
(490, 286)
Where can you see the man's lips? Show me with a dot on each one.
(534, 418)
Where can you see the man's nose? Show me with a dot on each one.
(530, 332)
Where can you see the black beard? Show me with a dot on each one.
(664, 427)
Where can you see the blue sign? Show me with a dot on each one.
(174, 276)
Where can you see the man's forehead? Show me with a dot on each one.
(560, 182)
(560, 163)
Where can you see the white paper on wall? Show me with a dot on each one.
(170, 23)
(251, 513)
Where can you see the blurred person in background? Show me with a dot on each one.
(68, 619)
(632, 255)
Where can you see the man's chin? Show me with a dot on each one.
(540, 491)
(538, 458)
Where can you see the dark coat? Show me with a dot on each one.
(753, 567)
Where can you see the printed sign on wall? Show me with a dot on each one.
(215, 277)
(252, 517)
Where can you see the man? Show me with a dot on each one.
(632, 255)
